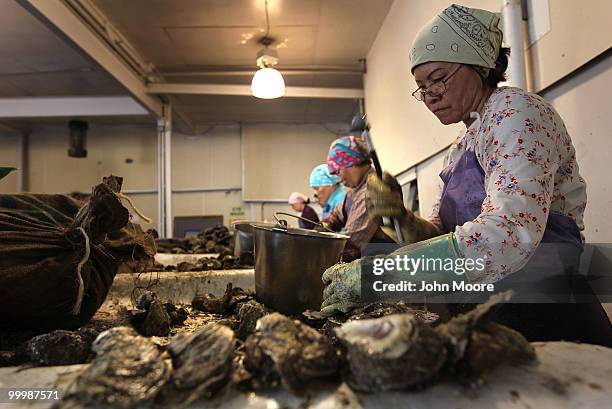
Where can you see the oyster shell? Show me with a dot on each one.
(248, 314)
(457, 331)
(489, 346)
(202, 364)
(156, 321)
(393, 352)
(208, 303)
(286, 351)
(227, 304)
(476, 346)
(401, 352)
(328, 322)
(157, 317)
(128, 370)
(61, 347)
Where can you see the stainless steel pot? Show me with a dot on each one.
(243, 237)
(289, 264)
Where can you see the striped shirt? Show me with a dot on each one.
(352, 215)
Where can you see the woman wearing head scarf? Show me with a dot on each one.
(299, 203)
(328, 189)
(512, 198)
(349, 159)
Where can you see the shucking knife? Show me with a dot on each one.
(359, 124)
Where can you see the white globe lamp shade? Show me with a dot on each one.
(268, 83)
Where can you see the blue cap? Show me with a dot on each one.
(320, 176)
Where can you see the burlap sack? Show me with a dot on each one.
(58, 256)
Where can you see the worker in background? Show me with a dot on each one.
(349, 159)
(328, 189)
(299, 203)
(512, 195)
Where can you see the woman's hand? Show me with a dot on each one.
(384, 199)
(343, 287)
(343, 281)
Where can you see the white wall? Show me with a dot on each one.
(403, 130)
(429, 182)
(584, 104)
(579, 31)
(209, 160)
(52, 171)
(278, 158)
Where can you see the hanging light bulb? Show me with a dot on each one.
(267, 82)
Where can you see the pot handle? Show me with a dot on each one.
(283, 223)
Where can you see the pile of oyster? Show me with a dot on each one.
(212, 240)
(154, 317)
(224, 261)
(252, 348)
(399, 351)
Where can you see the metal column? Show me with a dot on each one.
(164, 172)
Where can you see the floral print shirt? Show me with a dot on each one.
(530, 172)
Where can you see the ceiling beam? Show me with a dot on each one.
(49, 107)
(231, 89)
(184, 121)
(251, 71)
(56, 15)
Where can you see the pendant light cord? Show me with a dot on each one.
(267, 19)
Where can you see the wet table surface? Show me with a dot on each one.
(168, 259)
(566, 375)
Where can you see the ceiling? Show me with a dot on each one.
(194, 34)
(36, 62)
(320, 44)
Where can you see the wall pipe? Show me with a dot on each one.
(164, 172)
(182, 190)
(514, 37)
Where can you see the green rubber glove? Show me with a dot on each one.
(6, 171)
(384, 199)
(343, 281)
(343, 287)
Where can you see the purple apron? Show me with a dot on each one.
(464, 192)
(545, 277)
(548, 272)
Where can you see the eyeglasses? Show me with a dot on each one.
(436, 89)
